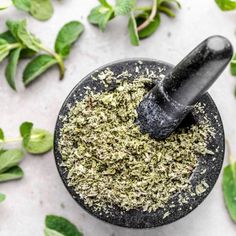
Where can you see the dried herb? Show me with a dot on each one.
(18, 43)
(110, 162)
(143, 20)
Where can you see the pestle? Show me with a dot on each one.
(167, 104)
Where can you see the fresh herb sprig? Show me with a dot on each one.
(40, 9)
(18, 43)
(34, 141)
(57, 225)
(226, 5)
(143, 20)
(229, 186)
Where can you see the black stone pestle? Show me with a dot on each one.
(167, 104)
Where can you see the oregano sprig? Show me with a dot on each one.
(143, 20)
(40, 9)
(18, 43)
(33, 140)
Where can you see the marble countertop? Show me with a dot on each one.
(41, 191)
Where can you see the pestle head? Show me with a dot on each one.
(167, 104)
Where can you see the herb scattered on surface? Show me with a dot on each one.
(18, 43)
(40, 9)
(226, 5)
(110, 162)
(35, 141)
(229, 186)
(143, 20)
(59, 226)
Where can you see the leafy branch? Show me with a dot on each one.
(143, 20)
(33, 140)
(18, 43)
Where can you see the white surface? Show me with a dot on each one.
(41, 192)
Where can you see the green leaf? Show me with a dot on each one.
(23, 5)
(229, 189)
(41, 141)
(20, 32)
(25, 132)
(61, 225)
(124, 7)
(41, 9)
(2, 197)
(12, 66)
(10, 158)
(133, 32)
(233, 65)
(50, 232)
(226, 5)
(12, 174)
(8, 37)
(151, 28)
(100, 16)
(2, 135)
(68, 35)
(37, 67)
(105, 3)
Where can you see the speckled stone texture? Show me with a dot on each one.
(211, 163)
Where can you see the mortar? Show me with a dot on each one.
(211, 164)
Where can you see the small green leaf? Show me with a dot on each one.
(68, 35)
(20, 32)
(61, 225)
(13, 173)
(12, 66)
(5, 6)
(50, 232)
(2, 197)
(100, 16)
(37, 67)
(229, 189)
(25, 132)
(124, 7)
(41, 141)
(151, 28)
(133, 32)
(226, 5)
(233, 65)
(105, 3)
(41, 9)
(23, 5)
(8, 37)
(10, 158)
(2, 135)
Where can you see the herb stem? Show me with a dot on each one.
(14, 45)
(57, 57)
(18, 139)
(150, 18)
(143, 8)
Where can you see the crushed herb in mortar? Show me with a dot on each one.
(111, 163)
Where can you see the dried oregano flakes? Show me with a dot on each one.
(111, 163)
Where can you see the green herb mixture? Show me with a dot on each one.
(110, 162)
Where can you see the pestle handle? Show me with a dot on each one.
(193, 76)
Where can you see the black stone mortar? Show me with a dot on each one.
(208, 169)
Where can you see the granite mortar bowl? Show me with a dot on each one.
(208, 168)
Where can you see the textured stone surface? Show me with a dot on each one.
(41, 191)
